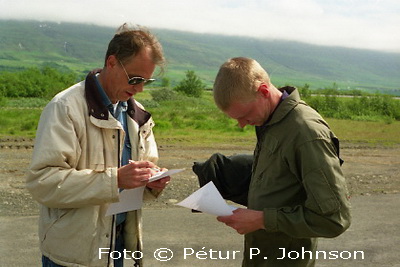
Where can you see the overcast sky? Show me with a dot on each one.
(370, 24)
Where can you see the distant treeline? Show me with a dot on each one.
(44, 83)
(35, 82)
(352, 104)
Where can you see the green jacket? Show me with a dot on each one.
(298, 182)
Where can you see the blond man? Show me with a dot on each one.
(297, 192)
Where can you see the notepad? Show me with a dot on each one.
(132, 199)
(162, 174)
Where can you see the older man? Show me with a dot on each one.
(93, 141)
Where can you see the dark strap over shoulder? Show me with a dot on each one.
(336, 142)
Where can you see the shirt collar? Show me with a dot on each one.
(100, 111)
(291, 96)
(283, 97)
(122, 106)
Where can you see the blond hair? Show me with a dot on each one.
(238, 79)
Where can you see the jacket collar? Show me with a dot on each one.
(283, 108)
(98, 110)
(289, 103)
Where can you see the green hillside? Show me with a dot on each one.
(81, 47)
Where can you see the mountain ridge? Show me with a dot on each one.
(81, 47)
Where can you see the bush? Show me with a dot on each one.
(191, 85)
(165, 82)
(3, 100)
(35, 82)
(370, 108)
(305, 91)
(163, 94)
(147, 103)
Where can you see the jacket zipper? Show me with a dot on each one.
(114, 216)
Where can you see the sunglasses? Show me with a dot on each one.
(136, 79)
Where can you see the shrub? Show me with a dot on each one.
(191, 85)
(3, 100)
(35, 82)
(305, 91)
(164, 94)
(147, 103)
(165, 82)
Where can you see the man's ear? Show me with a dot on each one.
(264, 90)
(111, 61)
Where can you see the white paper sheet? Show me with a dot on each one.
(129, 199)
(132, 199)
(208, 200)
(163, 174)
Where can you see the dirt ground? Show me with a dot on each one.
(368, 169)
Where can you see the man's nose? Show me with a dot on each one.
(139, 87)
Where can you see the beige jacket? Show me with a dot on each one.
(73, 174)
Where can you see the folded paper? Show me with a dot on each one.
(208, 200)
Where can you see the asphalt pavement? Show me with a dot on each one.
(178, 237)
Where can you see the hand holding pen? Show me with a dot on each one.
(159, 184)
(137, 174)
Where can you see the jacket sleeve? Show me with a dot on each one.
(326, 210)
(53, 178)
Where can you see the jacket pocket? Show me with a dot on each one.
(265, 157)
(321, 197)
(54, 216)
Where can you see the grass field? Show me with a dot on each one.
(369, 133)
(195, 122)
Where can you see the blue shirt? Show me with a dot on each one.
(119, 113)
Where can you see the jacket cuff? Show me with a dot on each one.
(271, 220)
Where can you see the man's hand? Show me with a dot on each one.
(244, 221)
(159, 184)
(135, 174)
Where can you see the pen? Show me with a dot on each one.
(154, 169)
